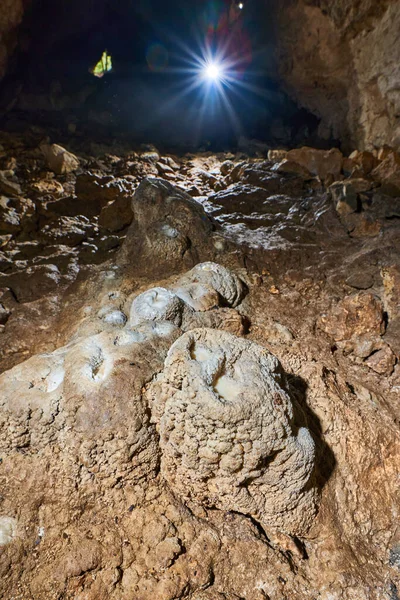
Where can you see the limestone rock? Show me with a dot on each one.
(212, 275)
(67, 230)
(157, 304)
(227, 432)
(8, 526)
(59, 159)
(117, 215)
(33, 282)
(199, 296)
(365, 160)
(388, 173)
(277, 155)
(290, 166)
(382, 361)
(319, 162)
(16, 214)
(339, 60)
(84, 388)
(356, 315)
(8, 187)
(169, 228)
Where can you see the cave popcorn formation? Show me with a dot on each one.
(230, 436)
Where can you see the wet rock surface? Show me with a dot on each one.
(200, 377)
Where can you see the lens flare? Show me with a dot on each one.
(213, 71)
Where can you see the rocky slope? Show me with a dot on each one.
(200, 388)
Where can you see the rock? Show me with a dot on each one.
(356, 315)
(382, 361)
(48, 186)
(391, 289)
(111, 438)
(151, 155)
(364, 345)
(16, 214)
(360, 184)
(199, 296)
(226, 167)
(349, 167)
(168, 160)
(10, 221)
(35, 282)
(345, 197)
(388, 174)
(228, 286)
(364, 225)
(207, 177)
(112, 316)
(4, 314)
(117, 215)
(67, 230)
(9, 188)
(277, 155)
(319, 162)
(156, 304)
(60, 161)
(362, 280)
(83, 461)
(392, 335)
(365, 160)
(94, 192)
(237, 449)
(385, 152)
(8, 530)
(262, 176)
(165, 171)
(167, 226)
(290, 166)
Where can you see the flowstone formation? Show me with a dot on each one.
(152, 446)
(229, 436)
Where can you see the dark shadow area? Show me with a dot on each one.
(325, 459)
(155, 91)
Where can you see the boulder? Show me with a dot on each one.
(388, 174)
(356, 315)
(59, 159)
(322, 163)
(169, 229)
(364, 160)
(292, 167)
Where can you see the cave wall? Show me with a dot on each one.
(11, 15)
(341, 60)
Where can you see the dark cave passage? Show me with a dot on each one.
(153, 93)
